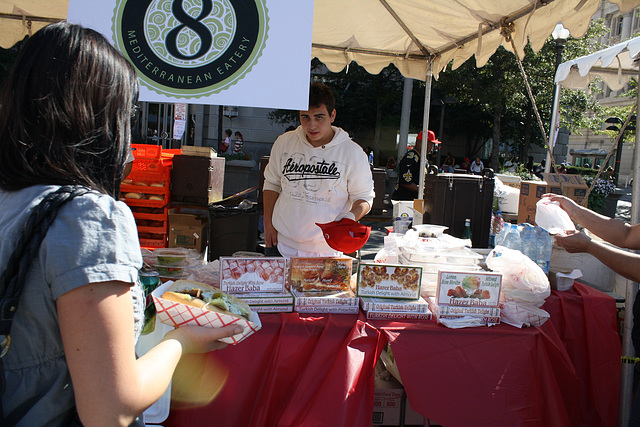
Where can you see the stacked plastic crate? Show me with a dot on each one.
(147, 192)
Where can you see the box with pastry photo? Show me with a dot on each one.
(389, 281)
(252, 274)
(320, 274)
(472, 289)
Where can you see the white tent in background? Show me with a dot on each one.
(422, 38)
(615, 65)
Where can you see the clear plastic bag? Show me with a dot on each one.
(522, 279)
(551, 217)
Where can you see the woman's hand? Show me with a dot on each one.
(573, 241)
(568, 205)
(200, 339)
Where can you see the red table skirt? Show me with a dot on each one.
(564, 373)
(319, 370)
(295, 371)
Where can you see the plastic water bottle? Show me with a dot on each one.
(512, 238)
(501, 235)
(492, 235)
(544, 246)
(497, 224)
(528, 241)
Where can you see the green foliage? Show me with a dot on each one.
(237, 156)
(599, 192)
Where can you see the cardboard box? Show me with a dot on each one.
(411, 417)
(389, 281)
(321, 274)
(572, 186)
(510, 180)
(468, 289)
(187, 231)
(255, 274)
(530, 193)
(387, 402)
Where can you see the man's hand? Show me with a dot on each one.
(573, 241)
(270, 235)
(343, 215)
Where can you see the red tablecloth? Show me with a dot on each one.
(564, 373)
(318, 370)
(295, 371)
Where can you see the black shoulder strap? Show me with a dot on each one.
(12, 279)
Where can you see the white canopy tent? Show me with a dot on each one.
(421, 38)
(615, 65)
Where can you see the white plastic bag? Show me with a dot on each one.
(551, 217)
(520, 314)
(525, 287)
(522, 279)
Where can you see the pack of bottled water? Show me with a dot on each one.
(533, 241)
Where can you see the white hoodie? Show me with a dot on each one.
(315, 185)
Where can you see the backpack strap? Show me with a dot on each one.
(12, 279)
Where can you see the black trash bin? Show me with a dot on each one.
(231, 229)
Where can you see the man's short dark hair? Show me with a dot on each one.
(319, 95)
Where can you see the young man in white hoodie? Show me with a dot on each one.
(315, 174)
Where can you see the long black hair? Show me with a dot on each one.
(65, 112)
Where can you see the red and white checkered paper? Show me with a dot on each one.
(177, 314)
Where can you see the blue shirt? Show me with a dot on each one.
(93, 239)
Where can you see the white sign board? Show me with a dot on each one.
(224, 52)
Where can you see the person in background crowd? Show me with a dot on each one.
(610, 173)
(237, 146)
(448, 163)
(561, 169)
(539, 170)
(529, 164)
(315, 174)
(226, 143)
(409, 169)
(466, 163)
(65, 111)
(624, 263)
(477, 166)
(369, 152)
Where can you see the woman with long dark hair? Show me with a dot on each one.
(65, 113)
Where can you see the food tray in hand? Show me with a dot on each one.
(178, 314)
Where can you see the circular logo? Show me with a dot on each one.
(191, 48)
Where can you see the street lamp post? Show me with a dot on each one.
(560, 35)
(614, 124)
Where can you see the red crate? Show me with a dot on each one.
(147, 151)
(157, 241)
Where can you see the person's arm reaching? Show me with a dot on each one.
(269, 199)
(111, 386)
(611, 230)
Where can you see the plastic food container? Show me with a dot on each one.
(171, 256)
(430, 230)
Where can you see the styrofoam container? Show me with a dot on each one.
(458, 256)
(177, 314)
(159, 410)
(430, 230)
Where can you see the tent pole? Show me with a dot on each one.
(553, 131)
(628, 350)
(405, 117)
(425, 129)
